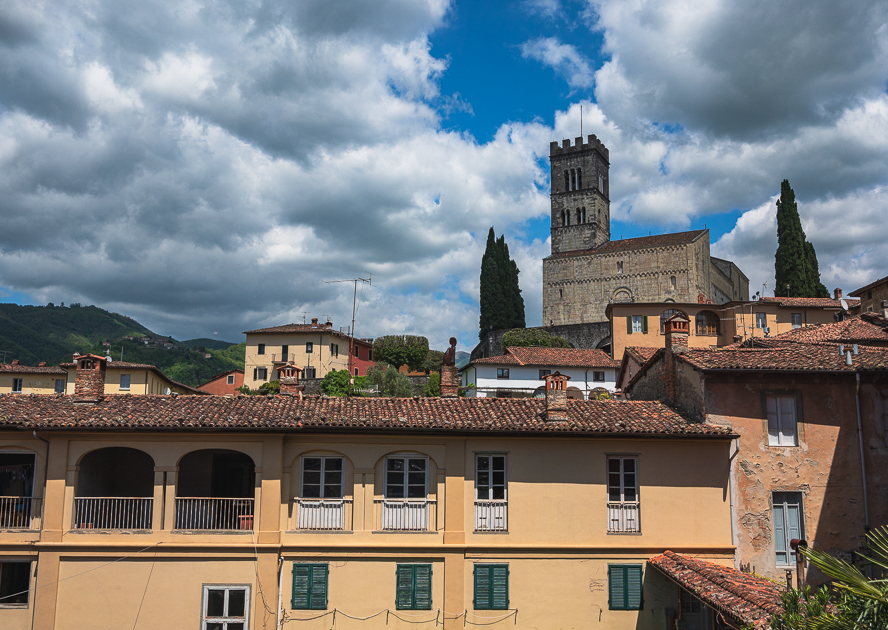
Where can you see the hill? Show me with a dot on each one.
(209, 344)
(54, 333)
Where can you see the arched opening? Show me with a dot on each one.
(579, 217)
(540, 392)
(666, 315)
(575, 393)
(622, 295)
(579, 179)
(605, 345)
(706, 323)
(566, 181)
(115, 488)
(216, 490)
(17, 505)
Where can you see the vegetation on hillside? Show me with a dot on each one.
(501, 303)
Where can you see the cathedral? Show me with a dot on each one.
(587, 270)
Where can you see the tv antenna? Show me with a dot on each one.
(351, 338)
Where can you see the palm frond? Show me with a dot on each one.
(848, 577)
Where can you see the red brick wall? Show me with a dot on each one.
(220, 386)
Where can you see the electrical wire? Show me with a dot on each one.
(145, 592)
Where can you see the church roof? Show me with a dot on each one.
(641, 242)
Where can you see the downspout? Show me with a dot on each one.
(280, 590)
(866, 523)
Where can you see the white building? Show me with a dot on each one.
(521, 372)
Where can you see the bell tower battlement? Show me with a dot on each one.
(580, 205)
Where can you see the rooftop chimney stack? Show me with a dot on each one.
(677, 329)
(556, 397)
(89, 379)
(314, 321)
(290, 386)
(837, 294)
(449, 373)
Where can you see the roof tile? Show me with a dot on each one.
(642, 242)
(554, 357)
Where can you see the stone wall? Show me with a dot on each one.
(589, 336)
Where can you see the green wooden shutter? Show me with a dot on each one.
(644, 324)
(628, 327)
(499, 587)
(633, 587)
(422, 587)
(482, 587)
(404, 598)
(318, 595)
(301, 579)
(616, 577)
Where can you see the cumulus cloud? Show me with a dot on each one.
(563, 58)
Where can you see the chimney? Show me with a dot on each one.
(289, 375)
(556, 397)
(314, 321)
(677, 330)
(837, 294)
(41, 364)
(89, 380)
(449, 372)
(16, 362)
(701, 298)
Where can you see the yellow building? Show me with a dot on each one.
(131, 378)
(316, 348)
(16, 378)
(640, 324)
(254, 512)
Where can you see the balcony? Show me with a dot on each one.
(219, 514)
(19, 513)
(283, 357)
(623, 518)
(113, 513)
(323, 514)
(405, 515)
(491, 516)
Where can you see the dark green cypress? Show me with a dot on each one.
(502, 306)
(514, 301)
(795, 263)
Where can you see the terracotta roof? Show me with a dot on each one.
(787, 356)
(869, 286)
(863, 328)
(802, 302)
(641, 242)
(29, 369)
(521, 415)
(554, 357)
(306, 328)
(640, 354)
(643, 353)
(745, 598)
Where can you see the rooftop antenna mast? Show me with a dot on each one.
(581, 121)
(351, 338)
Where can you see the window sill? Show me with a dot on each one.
(624, 533)
(487, 533)
(319, 531)
(400, 531)
(18, 606)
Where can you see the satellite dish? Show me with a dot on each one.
(166, 391)
(844, 305)
(109, 359)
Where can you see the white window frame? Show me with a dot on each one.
(783, 425)
(323, 459)
(622, 473)
(59, 386)
(544, 374)
(245, 620)
(17, 382)
(489, 457)
(761, 320)
(128, 379)
(406, 457)
(229, 380)
(637, 324)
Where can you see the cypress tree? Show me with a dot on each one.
(795, 263)
(501, 303)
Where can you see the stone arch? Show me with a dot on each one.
(216, 473)
(575, 393)
(622, 294)
(115, 471)
(707, 323)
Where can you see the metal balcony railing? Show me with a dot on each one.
(323, 514)
(491, 516)
(214, 513)
(406, 515)
(19, 513)
(113, 512)
(623, 518)
(283, 357)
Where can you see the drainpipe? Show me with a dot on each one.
(280, 590)
(866, 523)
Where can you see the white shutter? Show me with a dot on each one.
(787, 421)
(773, 421)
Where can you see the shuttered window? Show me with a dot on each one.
(624, 586)
(310, 586)
(781, 420)
(414, 587)
(491, 587)
(787, 524)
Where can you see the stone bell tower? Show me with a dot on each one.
(579, 197)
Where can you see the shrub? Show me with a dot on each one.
(399, 350)
(525, 337)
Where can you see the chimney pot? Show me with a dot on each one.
(556, 397)
(314, 321)
(289, 377)
(89, 378)
(837, 294)
(701, 298)
(848, 359)
(16, 362)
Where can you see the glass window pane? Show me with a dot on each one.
(394, 478)
(483, 478)
(333, 491)
(333, 477)
(499, 494)
(613, 480)
(483, 463)
(312, 477)
(613, 494)
(216, 626)
(499, 478)
(613, 465)
(310, 491)
(235, 626)
(215, 602)
(311, 463)
(416, 478)
(499, 463)
(395, 464)
(333, 463)
(418, 464)
(416, 492)
(629, 494)
(394, 492)
(236, 603)
(628, 465)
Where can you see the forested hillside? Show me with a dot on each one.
(54, 333)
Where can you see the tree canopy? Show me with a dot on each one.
(795, 263)
(398, 350)
(389, 381)
(501, 303)
(524, 337)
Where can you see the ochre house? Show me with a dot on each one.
(315, 348)
(122, 377)
(209, 512)
(16, 378)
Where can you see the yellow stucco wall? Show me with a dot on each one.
(31, 383)
(142, 381)
(320, 358)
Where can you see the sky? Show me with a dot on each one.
(209, 167)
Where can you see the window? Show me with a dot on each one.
(781, 420)
(16, 386)
(620, 267)
(796, 319)
(490, 478)
(321, 478)
(624, 586)
(502, 372)
(310, 586)
(637, 324)
(706, 323)
(225, 608)
(761, 320)
(15, 583)
(690, 605)
(369, 354)
(260, 374)
(59, 386)
(787, 515)
(579, 216)
(566, 181)
(334, 349)
(601, 182)
(125, 382)
(405, 477)
(666, 315)
(308, 372)
(230, 379)
(622, 486)
(261, 349)
(309, 347)
(544, 373)
(672, 282)
(579, 178)
(598, 376)
(285, 351)
(356, 371)
(414, 587)
(491, 587)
